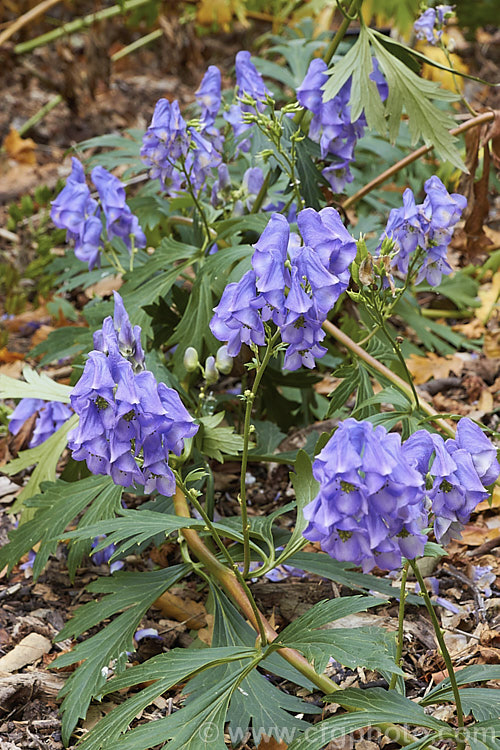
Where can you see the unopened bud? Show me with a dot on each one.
(211, 371)
(223, 361)
(190, 359)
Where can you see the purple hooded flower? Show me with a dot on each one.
(424, 26)
(459, 468)
(120, 221)
(249, 81)
(51, 416)
(208, 96)
(370, 506)
(290, 285)
(129, 423)
(427, 227)
(164, 142)
(76, 211)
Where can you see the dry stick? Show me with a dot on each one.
(403, 386)
(232, 586)
(26, 18)
(472, 123)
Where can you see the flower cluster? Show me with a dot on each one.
(290, 285)
(460, 469)
(378, 495)
(370, 506)
(331, 124)
(51, 415)
(426, 228)
(429, 25)
(129, 423)
(103, 556)
(75, 210)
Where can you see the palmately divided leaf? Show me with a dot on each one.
(35, 385)
(165, 670)
(219, 441)
(57, 505)
(467, 675)
(45, 456)
(378, 699)
(129, 593)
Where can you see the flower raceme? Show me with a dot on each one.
(430, 24)
(129, 423)
(331, 125)
(426, 228)
(75, 210)
(292, 286)
(377, 495)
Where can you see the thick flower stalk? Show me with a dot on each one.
(75, 210)
(426, 229)
(129, 423)
(290, 286)
(370, 509)
(51, 415)
(331, 125)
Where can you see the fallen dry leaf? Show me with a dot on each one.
(20, 149)
(182, 610)
(269, 743)
(488, 294)
(12, 369)
(495, 500)
(104, 287)
(6, 357)
(474, 329)
(433, 367)
(27, 651)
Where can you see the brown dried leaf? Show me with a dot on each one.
(182, 610)
(269, 743)
(27, 651)
(20, 149)
(488, 294)
(7, 357)
(433, 367)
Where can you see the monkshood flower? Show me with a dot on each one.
(201, 159)
(165, 140)
(427, 227)
(103, 556)
(370, 506)
(208, 97)
(120, 221)
(249, 81)
(331, 125)
(429, 25)
(460, 470)
(75, 210)
(51, 415)
(290, 285)
(129, 423)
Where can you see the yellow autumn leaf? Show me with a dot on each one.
(431, 366)
(20, 149)
(488, 294)
(442, 76)
(220, 12)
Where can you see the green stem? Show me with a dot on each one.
(215, 535)
(444, 651)
(334, 44)
(261, 195)
(76, 25)
(141, 42)
(235, 590)
(397, 350)
(196, 202)
(374, 364)
(242, 499)
(401, 618)
(51, 104)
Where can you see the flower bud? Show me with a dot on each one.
(223, 361)
(211, 371)
(190, 359)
